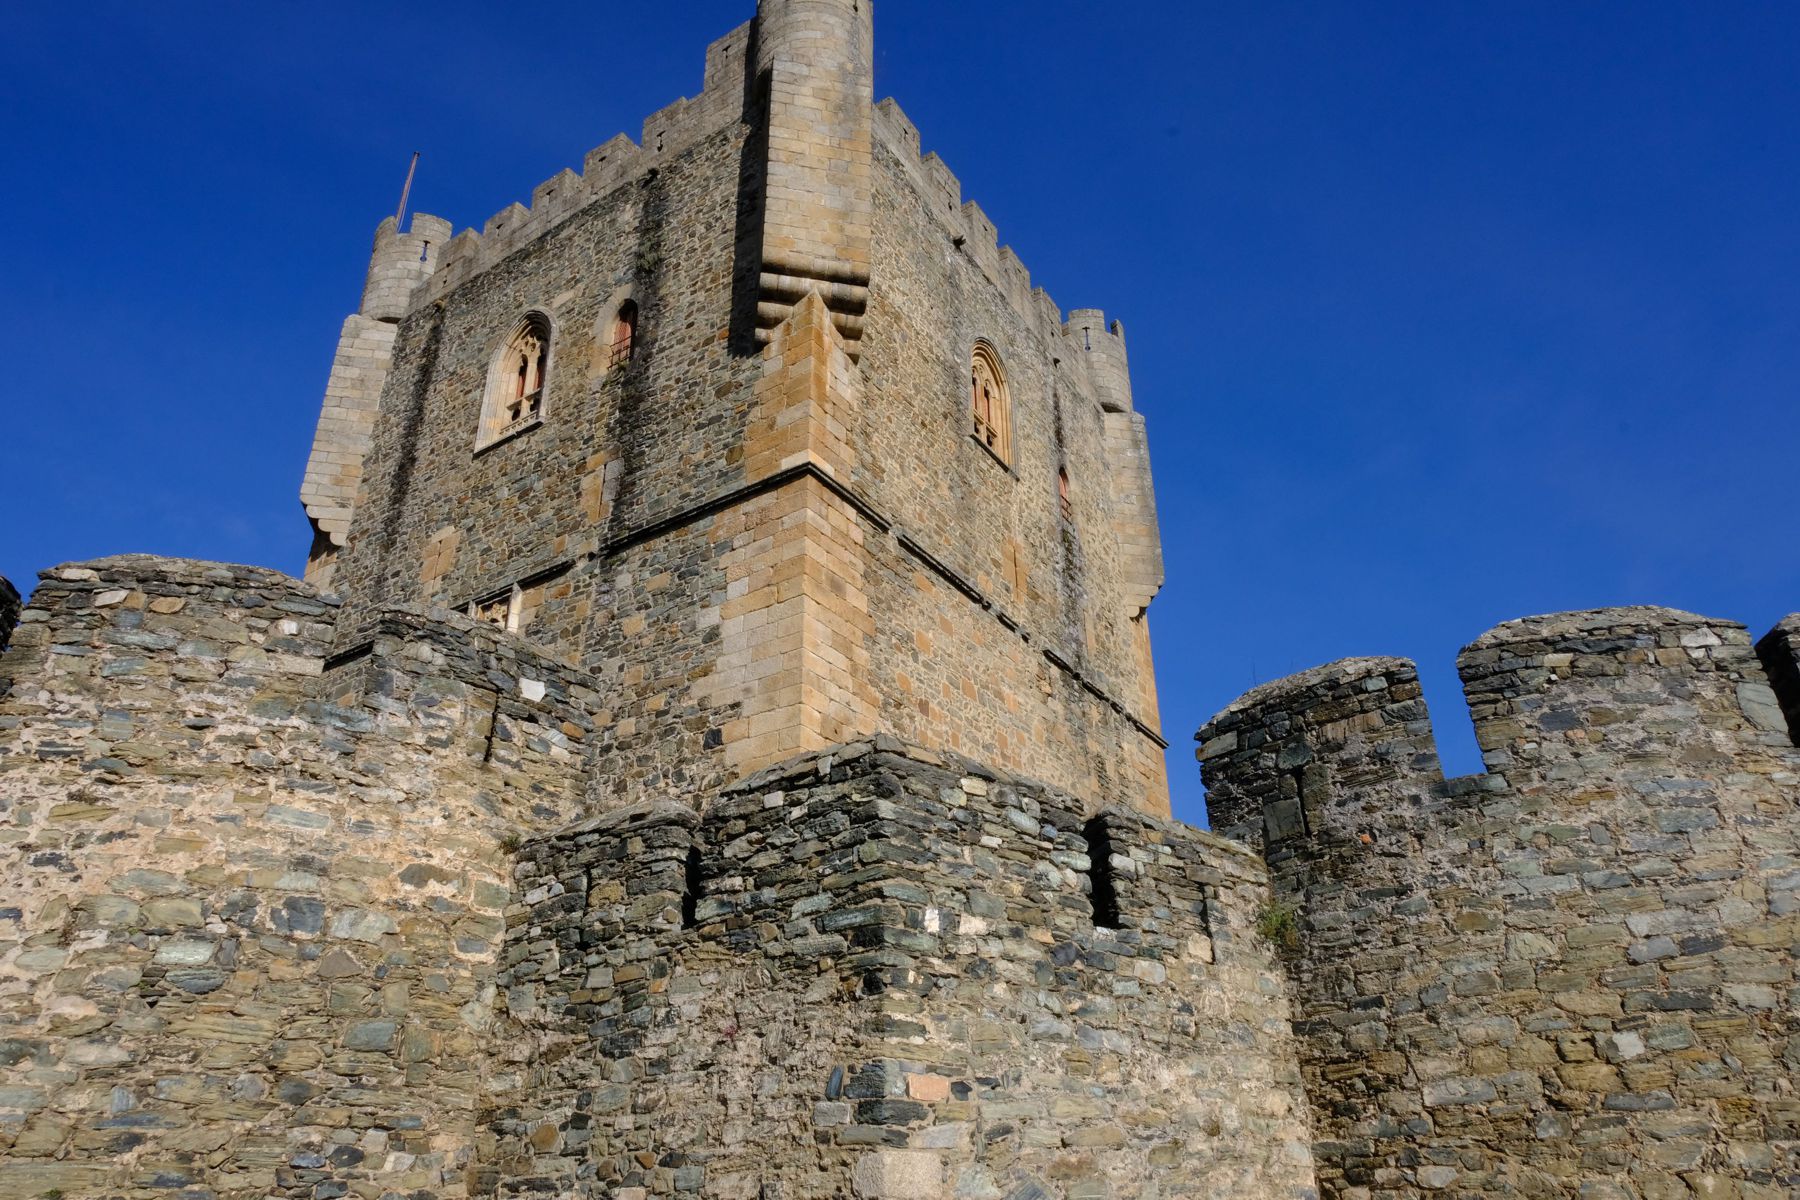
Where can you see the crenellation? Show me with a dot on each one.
(610, 164)
(557, 197)
(726, 60)
(1321, 753)
(1555, 952)
(502, 225)
(907, 901)
(1017, 277)
(945, 190)
(1544, 691)
(892, 122)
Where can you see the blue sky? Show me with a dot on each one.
(1441, 313)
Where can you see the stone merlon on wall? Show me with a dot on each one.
(1591, 944)
(919, 936)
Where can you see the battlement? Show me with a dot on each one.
(1552, 697)
(613, 164)
(971, 230)
(1537, 957)
(897, 925)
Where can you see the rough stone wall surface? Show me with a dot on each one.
(621, 446)
(988, 553)
(251, 908)
(1573, 976)
(876, 972)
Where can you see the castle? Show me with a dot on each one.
(714, 752)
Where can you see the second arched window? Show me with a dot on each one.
(990, 402)
(518, 383)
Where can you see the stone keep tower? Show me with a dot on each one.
(751, 492)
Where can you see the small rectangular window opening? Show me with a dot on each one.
(692, 884)
(1103, 890)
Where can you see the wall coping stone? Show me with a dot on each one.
(190, 572)
(1594, 620)
(1344, 670)
(818, 764)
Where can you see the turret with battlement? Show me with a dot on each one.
(399, 267)
(1590, 945)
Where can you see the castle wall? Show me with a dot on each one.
(889, 984)
(253, 903)
(1047, 661)
(1571, 976)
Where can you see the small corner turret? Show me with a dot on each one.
(815, 64)
(399, 265)
(1097, 348)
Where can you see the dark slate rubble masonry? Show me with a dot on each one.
(895, 952)
(1571, 976)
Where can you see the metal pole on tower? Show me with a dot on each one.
(406, 192)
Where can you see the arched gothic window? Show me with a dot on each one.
(991, 403)
(519, 381)
(624, 334)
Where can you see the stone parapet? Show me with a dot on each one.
(877, 971)
(1563, 978)
(255, 910)
(1282, 757)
